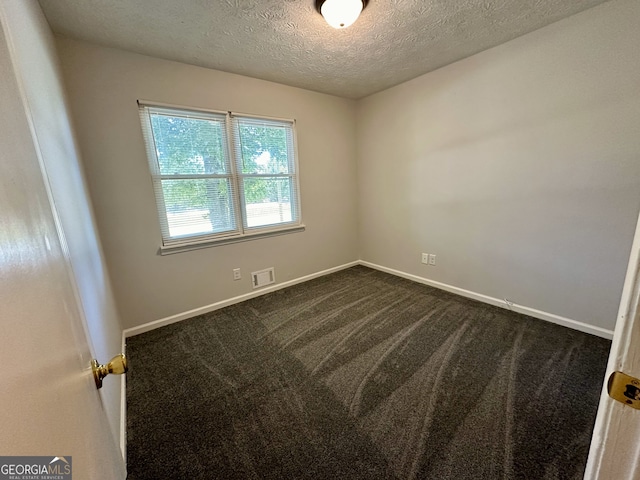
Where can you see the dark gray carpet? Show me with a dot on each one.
(361, 374)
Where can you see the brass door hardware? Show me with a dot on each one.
(624, 388)
(117, 366)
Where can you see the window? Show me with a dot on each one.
(220, 176)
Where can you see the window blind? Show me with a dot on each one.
(266, 166)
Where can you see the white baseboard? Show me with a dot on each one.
(130, 332)
(532, 312)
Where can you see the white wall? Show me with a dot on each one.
(36, 65)
(104, 85)
(519, 167)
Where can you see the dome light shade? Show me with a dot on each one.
(340, 13)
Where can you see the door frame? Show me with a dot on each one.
(615, 444)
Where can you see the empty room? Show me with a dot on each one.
(320, 239)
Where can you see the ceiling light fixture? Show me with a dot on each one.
(340, 13)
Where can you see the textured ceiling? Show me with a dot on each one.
(287, 41)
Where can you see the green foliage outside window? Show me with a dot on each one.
(194, 146)
(264, 151)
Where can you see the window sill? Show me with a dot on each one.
(170, 250)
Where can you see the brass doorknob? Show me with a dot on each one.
(117, 366)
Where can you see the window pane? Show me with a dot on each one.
(268, 201)
(264, 148)
(189, 145)
(198, 206)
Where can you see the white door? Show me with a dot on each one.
(49, 405)
(615, 445)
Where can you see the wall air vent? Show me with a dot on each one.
(263, 277)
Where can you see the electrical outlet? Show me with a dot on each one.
(236, 274)
(425, 258)
(432, 259)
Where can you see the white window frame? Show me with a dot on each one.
(242, 232)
